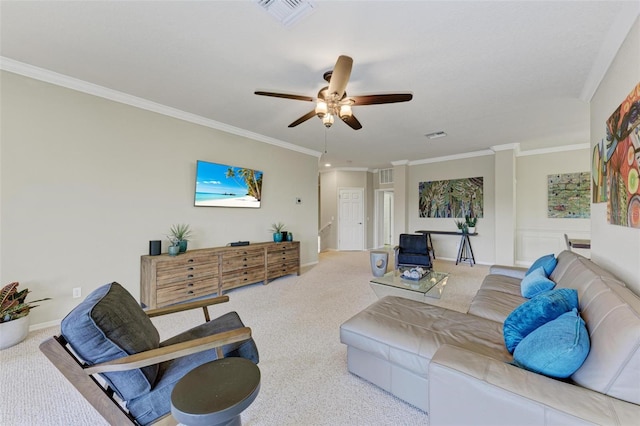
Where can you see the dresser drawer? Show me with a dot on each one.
(282, 268)
(184, 260)
(282, 246)
(243, 277)
(232, 263)
(185, 272)
(282, 255)
(186, 291)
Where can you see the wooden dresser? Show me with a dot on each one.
(165, 280)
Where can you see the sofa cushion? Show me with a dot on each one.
(110, 324)
(556, 349)
(503, 283)
(537, 311)
(536, 282)
(495, 305)
(548, 262)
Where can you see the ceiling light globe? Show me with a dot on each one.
(321, 109)
(345, 112)
(327, 120)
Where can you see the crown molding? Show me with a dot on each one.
(554, 149)
(506, 147)
(62, 80)
(618, 32)
(453, 157)
(346, 169)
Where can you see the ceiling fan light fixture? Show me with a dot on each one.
(345, 112)
(327, 120)
(321, 108)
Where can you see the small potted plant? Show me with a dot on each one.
(471, 222)
(174, 246)
(462, 226)
(179, 235)
(14, 314)
(278, 231)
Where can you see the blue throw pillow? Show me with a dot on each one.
(548, 262)
(535, 312)
(536, 282)
(556, 349)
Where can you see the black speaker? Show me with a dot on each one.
(155, 247)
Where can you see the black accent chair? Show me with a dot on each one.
(413, 251)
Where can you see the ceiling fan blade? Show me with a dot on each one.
(340, 76)
(381, 99)
(304, 118)
(352, 122)
(286, 96)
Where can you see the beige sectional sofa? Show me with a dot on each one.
(455, 366)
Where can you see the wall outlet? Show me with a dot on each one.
(77, 292)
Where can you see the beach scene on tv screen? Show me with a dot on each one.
(221, 185)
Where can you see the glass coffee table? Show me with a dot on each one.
(431, 285)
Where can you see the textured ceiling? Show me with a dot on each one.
(487, 73)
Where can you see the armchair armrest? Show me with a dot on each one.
(468, 388)
(155, 356)
(510, 271)
(204, 304)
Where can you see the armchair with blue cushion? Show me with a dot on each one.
(111, 352)
(413, 251)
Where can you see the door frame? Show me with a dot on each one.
(378, 217)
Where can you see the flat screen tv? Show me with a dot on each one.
(222, 185)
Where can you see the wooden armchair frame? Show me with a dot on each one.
(100, 396)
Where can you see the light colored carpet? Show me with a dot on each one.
(295, 322)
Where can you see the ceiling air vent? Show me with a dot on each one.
(287, 12)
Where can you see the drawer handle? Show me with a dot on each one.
(245, 265)
(190, 285)
(190, 276)
(245, 272)
(190, 292)
(190, 260)
(244, 260)
(190, 268)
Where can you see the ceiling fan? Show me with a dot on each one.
(332, 101)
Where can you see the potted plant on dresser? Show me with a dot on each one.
(14, 315)
(278, 232)
(180, 233)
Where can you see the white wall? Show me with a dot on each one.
(617, 248)
(87, 182)
(537, 234)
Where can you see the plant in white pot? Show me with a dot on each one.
(471, 222)
(14, 314)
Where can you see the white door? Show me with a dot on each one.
(351, 219)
